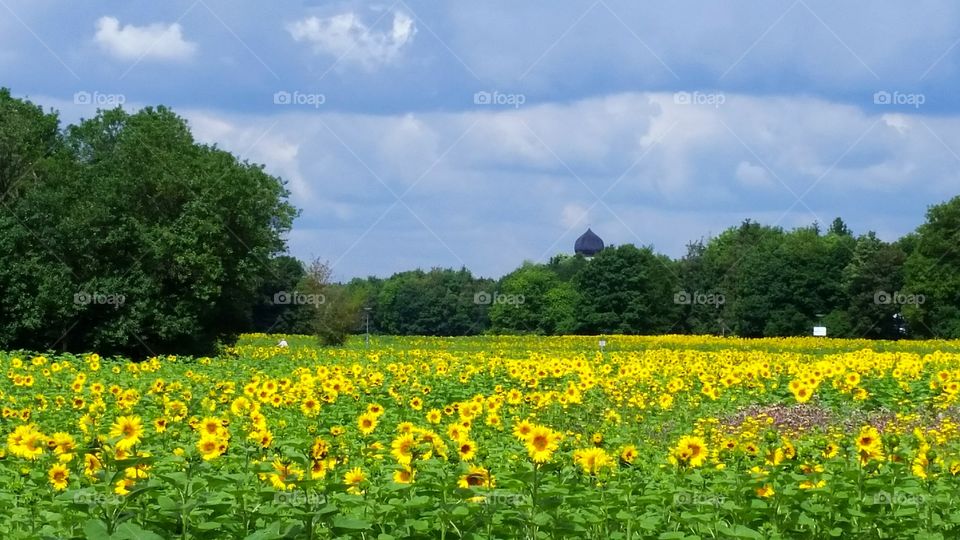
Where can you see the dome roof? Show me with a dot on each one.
(588, 245)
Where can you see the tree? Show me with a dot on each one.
(336, 309)
(932, 272)
(277, 309)
(441, 302)
(533, 299)
(702, 299)
(139, 241)
(628, 290)
(839, 228)
(29, 138)
(731, 264)
(870, 281)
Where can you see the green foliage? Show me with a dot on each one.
(534, 300)
(441, 302)
(124, 235)
(275, 310)
(334, 309)
(874, 273)
(626, 289)
(774, 283)
(133, 238)
(933, 270)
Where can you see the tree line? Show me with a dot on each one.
(122, 234)
(751, 280)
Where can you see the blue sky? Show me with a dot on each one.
(420, 134)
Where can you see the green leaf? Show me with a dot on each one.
(129, 531)
(272, 532)
(95, 528)
(352, 524)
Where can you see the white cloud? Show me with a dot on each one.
(573, 215)
(691, 171)
(752, 175)
(899, 122)
(346, 36)
(155, 41)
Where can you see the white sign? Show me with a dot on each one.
(820, 331)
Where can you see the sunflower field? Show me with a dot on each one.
(669, 437)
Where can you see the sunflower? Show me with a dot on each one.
(522, 430)
(592, 460)
(91, 464)
(477, 477)
(666, 401)
(128, 429)
(210, 447)
(353, 478)
(456, 432)
(765, 491)
(263, 437)
(59, 476)
(402, 448)
(310, 407)
(320, 448)
(122, 486)
(285, 475)
(211, 427)
(367, 423)
(26, 441)
(541, 442)
(691, 451)
(628, 454)
(63, 444)
(320, 467)
(830, 450)
(434, 416)
(810, 484)
(467, 449)
(404, 475)
(801, 392)
(869, 445)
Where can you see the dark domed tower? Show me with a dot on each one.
(588, 245)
